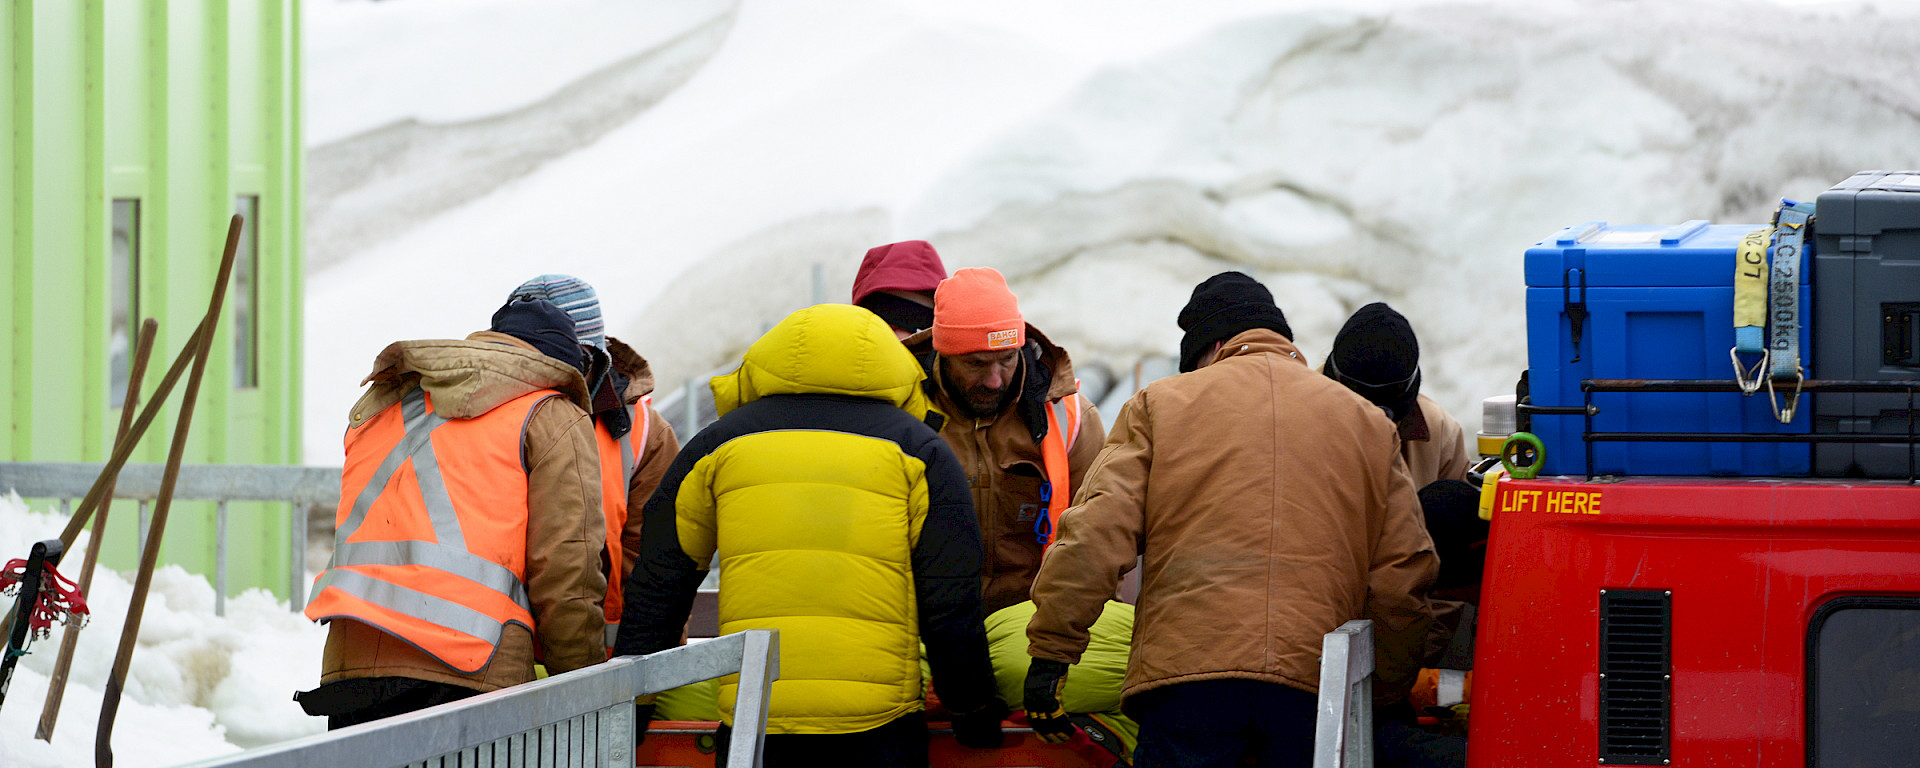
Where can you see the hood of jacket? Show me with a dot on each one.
(829, 349)
(630, 364)
(620, 378)
(466, 378)
(912, 265)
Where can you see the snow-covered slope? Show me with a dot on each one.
(1109, 156)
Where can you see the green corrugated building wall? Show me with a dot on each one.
(135, 128)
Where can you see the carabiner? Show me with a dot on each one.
(1785, 416)
(1043, 525)
(1749, 379)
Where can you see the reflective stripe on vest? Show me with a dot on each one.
(420, 605)
(613, 496)
(1053, 453)
(418, 569)
(633, 451)
(615, 502)
(458, 562)
(419, 422)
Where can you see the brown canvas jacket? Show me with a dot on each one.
(661, 448)
(566, 533)
(1271, 506)
(1005, 468)
(1434, 445)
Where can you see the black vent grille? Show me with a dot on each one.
(1636, 686)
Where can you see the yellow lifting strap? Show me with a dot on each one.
(1750, 308)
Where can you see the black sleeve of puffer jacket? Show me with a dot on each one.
(946, 579)
(659, 592)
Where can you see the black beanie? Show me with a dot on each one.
(548, 328)
(1223, 306)
(1376, 355)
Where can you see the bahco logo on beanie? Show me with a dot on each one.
(974, 311)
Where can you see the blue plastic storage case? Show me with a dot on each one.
(1659, 304)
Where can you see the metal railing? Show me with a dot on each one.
(582, 718)
(218, 483)
(689, 408)
(1143, 372)
(1590, 435)
(1343, 733)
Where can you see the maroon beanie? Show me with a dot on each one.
(912, 265)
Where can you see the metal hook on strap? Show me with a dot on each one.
(1785, 415)
(1749, 378)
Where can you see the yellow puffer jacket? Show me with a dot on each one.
(837, 517)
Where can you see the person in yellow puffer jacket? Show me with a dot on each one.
(840, 518)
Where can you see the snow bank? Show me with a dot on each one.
(444, 61)
(199, 685)
(1412, 157)
(1108, 156)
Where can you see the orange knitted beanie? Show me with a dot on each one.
(974, 311)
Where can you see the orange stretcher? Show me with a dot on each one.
(691, 744)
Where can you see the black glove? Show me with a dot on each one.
(642, 715)
(980, 729)
(1041, 695)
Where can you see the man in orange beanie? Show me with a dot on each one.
(1015, 419)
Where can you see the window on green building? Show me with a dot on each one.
(245, 295)
(125, 296)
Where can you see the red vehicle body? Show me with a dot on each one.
(1707, 597)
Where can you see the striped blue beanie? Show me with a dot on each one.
(576, 298)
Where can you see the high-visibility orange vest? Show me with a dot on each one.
(619, 459)
(432, 529)
(1053, 453)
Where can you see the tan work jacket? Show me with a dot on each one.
(1271, 505)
